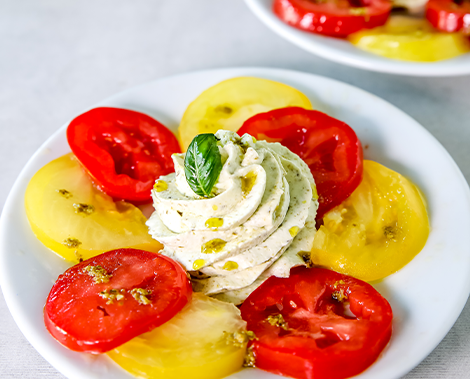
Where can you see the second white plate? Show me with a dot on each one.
(427, 295)
(342, 51)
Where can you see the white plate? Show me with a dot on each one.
(427, 295)
(342, 51)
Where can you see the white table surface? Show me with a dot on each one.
(58, 57)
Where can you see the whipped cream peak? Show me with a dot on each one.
(261, 216)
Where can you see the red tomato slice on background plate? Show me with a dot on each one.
(329, 147)
(449, 15)
(336, 18)
(109, 299)
(124, 151)
(317, 324)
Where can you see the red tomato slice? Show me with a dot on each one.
(329, 147)
(449, 15)
(304, 328)
(124, 151)
(109, 299)
(336, 18)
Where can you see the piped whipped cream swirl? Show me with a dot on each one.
(260, 221)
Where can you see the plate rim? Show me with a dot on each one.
(231, 72)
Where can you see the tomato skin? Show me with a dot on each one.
(123, 150)
(82, 320)
(333, 18)
(329, 147)
(448, 15)
(320, 340)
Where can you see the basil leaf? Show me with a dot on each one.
(203, 164)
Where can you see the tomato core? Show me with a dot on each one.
(317, 324)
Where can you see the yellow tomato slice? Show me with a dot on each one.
(230, 103)
(377, 230)
(76, 220)
(194, 344)
(411, 39)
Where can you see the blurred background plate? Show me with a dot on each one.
(342, 51)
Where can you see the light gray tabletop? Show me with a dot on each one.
(58, 57)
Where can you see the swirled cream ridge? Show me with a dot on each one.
(258, 223)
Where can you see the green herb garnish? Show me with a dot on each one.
(203, 164)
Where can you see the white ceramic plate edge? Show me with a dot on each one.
(18, 188)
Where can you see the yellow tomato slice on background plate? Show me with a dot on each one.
(230, 103)
(410, 39)
(204, 341)
(377, 230)
(76, 220)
